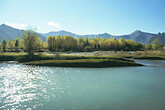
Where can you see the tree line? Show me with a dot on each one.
(30, 42)
(69, 43)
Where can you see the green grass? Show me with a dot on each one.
(10, 56)
(96, 63)
(73, 57)
(23, 57)
(118, 59)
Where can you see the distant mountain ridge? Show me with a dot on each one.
(138, 36)
(61, 33)
(9, 32)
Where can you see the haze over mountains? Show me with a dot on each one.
(138, 36)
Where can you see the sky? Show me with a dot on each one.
(116, 17)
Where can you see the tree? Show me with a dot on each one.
(39, 44)
(69, 43)
(115, 44)
(45, 45)
(157, 44)
(16, 44)
(148, 47)
(80, 43)
(4, 45)
(30, 41)
(122, 44)
(49, 40)
(11, 45)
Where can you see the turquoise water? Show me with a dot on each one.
(54, 88)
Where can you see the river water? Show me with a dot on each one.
(57, 88)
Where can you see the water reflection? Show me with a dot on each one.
(18, 84)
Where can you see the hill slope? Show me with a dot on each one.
(11, 33)
(160, 37)
(141, 37)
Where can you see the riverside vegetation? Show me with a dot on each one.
(67, 60)
(110, 52)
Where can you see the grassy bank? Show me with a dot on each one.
(68, 60)
(10, 56)
(96, 63)
(23, 57)
(102, 59)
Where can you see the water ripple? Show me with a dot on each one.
(54, 88)
(20, 83)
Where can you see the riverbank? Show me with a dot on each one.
(90, 59)
(68, 60)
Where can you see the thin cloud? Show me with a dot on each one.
(16, 25)
(54, 24)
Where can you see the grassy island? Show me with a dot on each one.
(96, 63)
(68, 60)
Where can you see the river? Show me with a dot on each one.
(56, 88)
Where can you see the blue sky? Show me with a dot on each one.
(116, 17)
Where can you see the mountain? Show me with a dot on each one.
(138, 36)
(11, 33)
(160, 37)
(104, 35)
(142, 37)
(61, 33)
